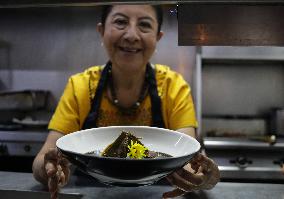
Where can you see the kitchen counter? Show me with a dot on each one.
(88, 188)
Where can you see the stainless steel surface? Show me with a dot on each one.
(256, 174)
(234, 127)
(231, 106)
(21, 143)
(234, 81)
(242, 88)
(277, 122)
(241, 143)
(262, 53)
(230, 25)
(23, 136)
(20, 194)
(247, 160)
(222, 92)
(24, 100)
(91, 189)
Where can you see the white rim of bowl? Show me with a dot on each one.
(128, 159)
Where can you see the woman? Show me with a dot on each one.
(128, 90)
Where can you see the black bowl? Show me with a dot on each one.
(125, 171)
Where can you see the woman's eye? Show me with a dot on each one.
(120, 22)
(145, 26)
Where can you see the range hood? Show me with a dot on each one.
(231, 24)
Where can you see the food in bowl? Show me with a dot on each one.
(127, 145)
(128, 171)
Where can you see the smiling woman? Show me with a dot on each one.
(127, 91)
(130, 40)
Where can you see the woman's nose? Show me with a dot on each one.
(132, 33)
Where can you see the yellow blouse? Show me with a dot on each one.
(74, 105)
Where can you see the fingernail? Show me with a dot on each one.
(48, 172)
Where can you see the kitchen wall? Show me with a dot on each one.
(248, 80)
(240, 86)
(41, 47)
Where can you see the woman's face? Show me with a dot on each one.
(130, 35)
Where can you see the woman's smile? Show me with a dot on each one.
(130, 50)
(130, 35)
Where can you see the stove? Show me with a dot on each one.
(26, 142)
(19, 147)
(241, 159)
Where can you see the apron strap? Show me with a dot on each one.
(156, 104)
(91, 120)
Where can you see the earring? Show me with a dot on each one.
(102, 44)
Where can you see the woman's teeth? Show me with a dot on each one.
(131, 50)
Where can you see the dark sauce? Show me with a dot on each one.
(120, 148)
(154, 154)
(151, 154)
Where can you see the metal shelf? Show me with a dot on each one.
(241, 143)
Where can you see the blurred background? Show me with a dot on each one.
(238, 87)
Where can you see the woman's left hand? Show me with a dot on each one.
(200, 173)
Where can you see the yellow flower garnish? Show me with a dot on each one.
(136, 151)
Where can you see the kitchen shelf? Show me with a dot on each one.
(251, 54)
(240, 61)
(241, 143)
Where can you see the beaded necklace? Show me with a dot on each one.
(133, 108)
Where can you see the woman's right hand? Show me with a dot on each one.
(57, 171)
